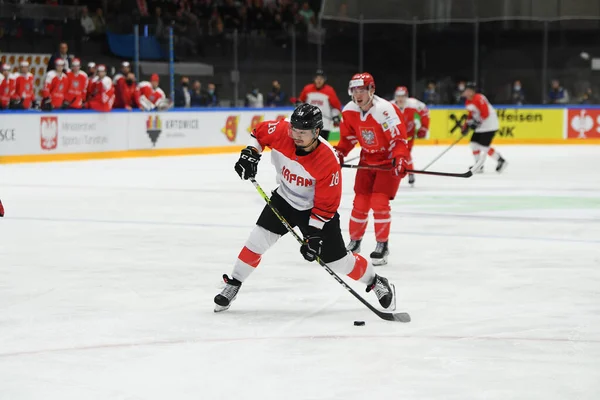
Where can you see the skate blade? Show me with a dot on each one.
(377, 262)
(219, 308)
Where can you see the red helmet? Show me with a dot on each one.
(401, 91)
(363, 79)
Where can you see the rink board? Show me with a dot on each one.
(33, 136)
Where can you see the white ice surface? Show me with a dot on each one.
(108, 270)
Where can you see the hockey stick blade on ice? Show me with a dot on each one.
(400, 317)
(467, 174)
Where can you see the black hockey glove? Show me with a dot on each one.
(247, 165)
(336, 121)
(313, 242)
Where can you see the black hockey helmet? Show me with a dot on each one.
(471, 85)
(307, 116)
(320, 73)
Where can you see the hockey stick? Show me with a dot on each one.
(401, 317)
(444, 152)
(467, 174)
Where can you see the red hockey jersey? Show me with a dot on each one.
(326, 99)
(103, 94)
(24, 89)
(480, 109)
(380, 132)
(7, 88)
(311, 181)
(148, 98)
(55, 87)
(77, 91)
(415, 116)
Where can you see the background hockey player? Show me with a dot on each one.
(308, 197)
(91, 73)
(323, 96)
(55, 87)
(78, 83)
(103, 92)
(149, 96)
(415, 116)
(376, 124)
(24, 94)
(125, 95)
(1, 209)
(483, 119)
(7, 86)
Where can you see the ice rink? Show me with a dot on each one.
(108, 271)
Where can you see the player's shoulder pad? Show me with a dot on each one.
(51, 74)
(385, 113)
(159, 90)
(415, 103)
(351, 107)
(143, 84)
(327, 158)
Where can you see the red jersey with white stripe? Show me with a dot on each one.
(24, 89)
(56, 87)
(103, 94)
(415, 116)
(307, 181)
(78, 82)
(326, 99)
(145, 90)
(380, 132)
(480, 109)
(7, 88)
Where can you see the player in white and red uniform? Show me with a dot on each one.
(78, 83)
(308, 196)
(149, 96)
(119, 82)
(103, 92)
(24, 95)
(55, 88)
(91, 73)
(415, 116)
(483, 119)
(7, 86)
(377, 125)
(323, 96)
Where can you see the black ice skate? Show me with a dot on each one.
(385, 292)
(411, 179)
(354, 246)
(501, 165)
(379, 256)
(228, 294)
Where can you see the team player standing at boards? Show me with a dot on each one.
(323, 96)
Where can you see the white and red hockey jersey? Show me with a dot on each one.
(326, 99)
(103, 94)
(55, 87)
(149, 98)
(7, 89)
(311, 181)
(380, 132)
(77, 91)
(480, 109)
(415, 116)
(24, 89)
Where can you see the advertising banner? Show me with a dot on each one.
(17, 135)
(583, 124)
(169, 130)
(518, 124)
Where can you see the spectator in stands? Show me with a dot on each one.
(306, 13)
(183, 97)
(87, 23)
(212, 99)
(517, 94)
(558, 94)
(198, 98)
(588, 97)
(254, 99)
(125, 94)
(431, 96)
(457, 96)
(99, 22)
(63, 50)
(276, 97)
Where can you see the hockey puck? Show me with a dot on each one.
(359, 323)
